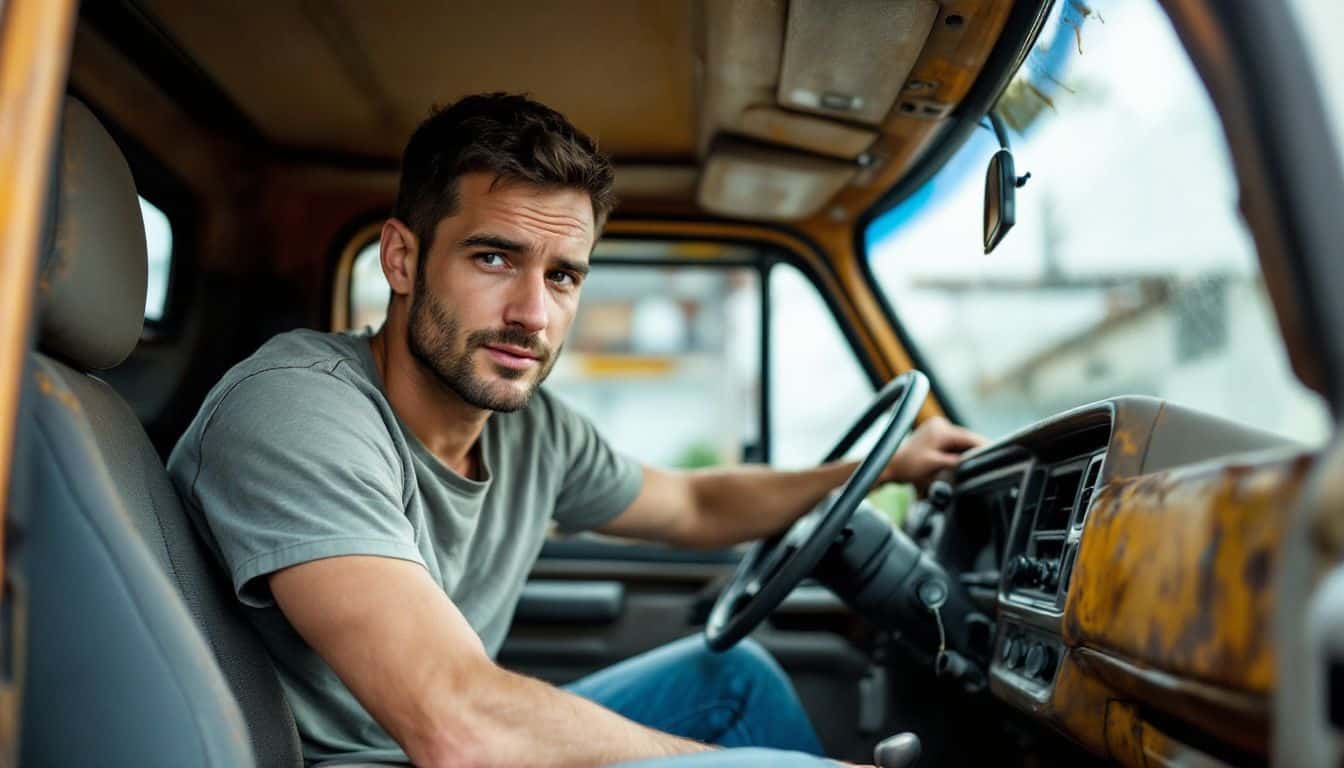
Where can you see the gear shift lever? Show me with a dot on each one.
(899, 751)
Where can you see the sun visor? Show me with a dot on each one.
(814, 134)
(848, 59)
(747, 181)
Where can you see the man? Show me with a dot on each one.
(378, 501)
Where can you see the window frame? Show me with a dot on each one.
(365, 231)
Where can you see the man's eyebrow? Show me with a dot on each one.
(493, 241)
(580, 268)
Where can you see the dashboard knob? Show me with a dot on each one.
(1040, 662)
(940, 495)
(1051, 580)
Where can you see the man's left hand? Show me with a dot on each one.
(935, 446)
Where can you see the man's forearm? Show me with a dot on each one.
(412, 660)
(745, 503)
(715, 508)
(522, 721)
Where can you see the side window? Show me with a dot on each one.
(817, 387)
(368, 289)
(665, 360)
(159, 243)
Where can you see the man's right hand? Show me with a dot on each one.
(412, 660)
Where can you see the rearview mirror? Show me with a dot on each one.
(1000, 198)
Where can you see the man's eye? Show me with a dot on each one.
(490, 259)
(563, 279)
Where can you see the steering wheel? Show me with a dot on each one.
(774, 566)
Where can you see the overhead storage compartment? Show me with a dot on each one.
(756, 182)
(848, 59)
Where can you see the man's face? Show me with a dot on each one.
(495, 296)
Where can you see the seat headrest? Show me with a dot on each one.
(91, 282)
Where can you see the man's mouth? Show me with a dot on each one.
(511, 356)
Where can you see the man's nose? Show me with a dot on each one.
(526, 307)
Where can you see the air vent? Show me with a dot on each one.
(1089, 487)
(1061, 490)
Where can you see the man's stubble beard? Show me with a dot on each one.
(432, 336)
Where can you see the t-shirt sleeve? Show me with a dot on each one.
(295, 465)
(599, 483)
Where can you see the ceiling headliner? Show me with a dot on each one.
(355, 77)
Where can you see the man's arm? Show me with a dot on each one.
(410, 658)
(712, 508)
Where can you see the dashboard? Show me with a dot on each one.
(1120, 548)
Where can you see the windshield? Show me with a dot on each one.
(1129, 270)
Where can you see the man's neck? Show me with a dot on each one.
(444, 423)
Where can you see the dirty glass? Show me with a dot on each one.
(1129, 270)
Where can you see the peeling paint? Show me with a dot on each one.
(1175, 570)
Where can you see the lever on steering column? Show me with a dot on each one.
(899, 751)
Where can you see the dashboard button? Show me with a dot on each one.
(1040, 662)
(1016, 650)
(940, 495)
(932, 593)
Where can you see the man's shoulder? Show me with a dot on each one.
(295, 372)
(303, 358)
(303, 348)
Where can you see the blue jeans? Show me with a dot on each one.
(739, 698)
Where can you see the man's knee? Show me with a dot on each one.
(749, 653)
(751, 660)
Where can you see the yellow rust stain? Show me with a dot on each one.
(1124, 734)
(48, 388)
(1078, 704)
(1175, 570)
(1137, 743)
(1125, 442)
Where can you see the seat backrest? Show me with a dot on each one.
(115, 671)
(91, 311)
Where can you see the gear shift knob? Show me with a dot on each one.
(899, 751)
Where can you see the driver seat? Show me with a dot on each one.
(137, 652)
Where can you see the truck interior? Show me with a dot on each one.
(1141, 568)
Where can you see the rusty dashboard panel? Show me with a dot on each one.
(1174, 569)
(1135, 599)
(1171, 606)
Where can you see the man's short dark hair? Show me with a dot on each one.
(510, 135)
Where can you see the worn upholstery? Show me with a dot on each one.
(91, 309)
(116, 672)
(157, 515)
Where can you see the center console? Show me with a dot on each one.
(1033, 497)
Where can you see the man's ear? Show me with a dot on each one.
(399, 252)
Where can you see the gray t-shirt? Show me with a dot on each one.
(297, 455)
